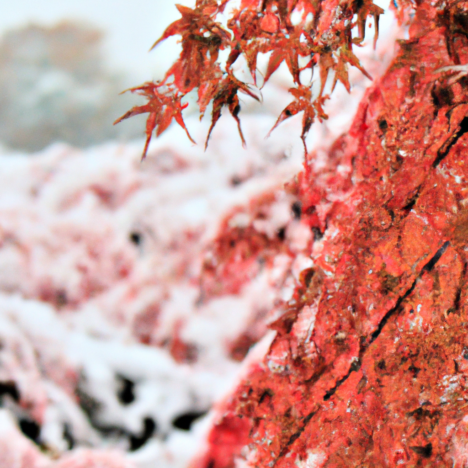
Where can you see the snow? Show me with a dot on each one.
(75, 286)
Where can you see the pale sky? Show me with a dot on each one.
(132, 27)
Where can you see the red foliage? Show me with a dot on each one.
(322, 33)
(162, 106)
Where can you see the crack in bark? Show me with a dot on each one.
(412, 201)
(295, 436)
(442, 153)
(356, 365)
(427, 267)
(458, 293)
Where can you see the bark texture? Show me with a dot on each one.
(369, 366)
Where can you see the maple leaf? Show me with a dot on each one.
(202, 39)
(250, 38)
(326, 63)
(264, 31)
(162, 109)
(245, 25)
(250, 50)
(341, 74)
(321, 30)
(288, 50)
(368, 8)
(347, 55)
(193, 22)
(303, 103)
(208, 89)
(225, 94)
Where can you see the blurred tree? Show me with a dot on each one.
(55, 87)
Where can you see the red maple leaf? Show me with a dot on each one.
(226, 94)
(162, 109)
(320, 30)
(368, 8)
(202, 39)
(287, 50)
(303, 103)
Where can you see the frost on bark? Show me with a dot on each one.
(369, 365)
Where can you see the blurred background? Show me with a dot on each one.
(63, 64)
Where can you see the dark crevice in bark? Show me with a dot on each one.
(427, 267)
(425, 451)
(390, 313)
(356, 365)
(441, 97)
(457, 300)
(412, 201)
(432, 262)
(295, 436)
(442, 153)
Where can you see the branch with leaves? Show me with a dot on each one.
(318, 30)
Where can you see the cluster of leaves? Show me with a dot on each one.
(318, 30)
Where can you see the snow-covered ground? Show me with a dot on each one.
(99, 259)
(114, 346)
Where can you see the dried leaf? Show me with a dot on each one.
(303, 103)
(162, 109)
(226, 95)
